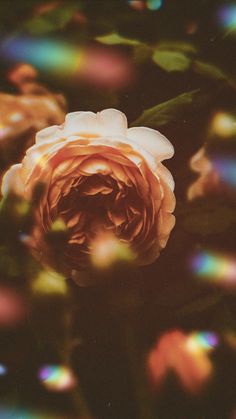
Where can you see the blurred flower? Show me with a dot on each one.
(208, 179)
(24, 114)
(215, 162)
(217, 175)
(230, 339)
(185, 355)
(99, 177)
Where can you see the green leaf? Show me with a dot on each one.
(53, 20)
(208, 70)
(116, 39)
(171, 60)
(171, 110)
(177, 46)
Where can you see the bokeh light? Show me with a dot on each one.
(12, 307)
(106, 250)
(191, 28)
(145, 4)
(137, 4)
(226, 169)
(4, 130)
(3, 370)
(49, 283)
(223, 124)
(214, 267)
(7, 412)
(97, 65)
(198, 341)
(227, 16)
(186, 355)
(154, 4)
(58, 378)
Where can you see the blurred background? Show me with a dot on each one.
(156, 342)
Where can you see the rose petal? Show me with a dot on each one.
(152, 141)
(51, 134)
(165, 174)
(108, 122)
(12, 181)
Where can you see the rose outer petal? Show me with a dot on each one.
(152, 141)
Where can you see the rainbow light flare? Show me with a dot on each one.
(227, 16)
(184, 354)
(215, 267)
(198, 341)
(13, 413)
(148, 4)
(98, 65)
(226, 169)
(45, 54)
(57, 378)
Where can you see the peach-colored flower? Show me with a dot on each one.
(99, 176)
(216, 175)
(27, 112)
(208, 179)
(181, 354)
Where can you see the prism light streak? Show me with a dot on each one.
(44, 54)
(206, 341)
(215, 267)
(227, 16)
(226, 170)
(184, 354)
(57, 378)
(97, 65)
(148, 4)
(7, 412)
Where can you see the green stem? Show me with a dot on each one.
(136, 363)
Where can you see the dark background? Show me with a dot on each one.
(133, 311)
